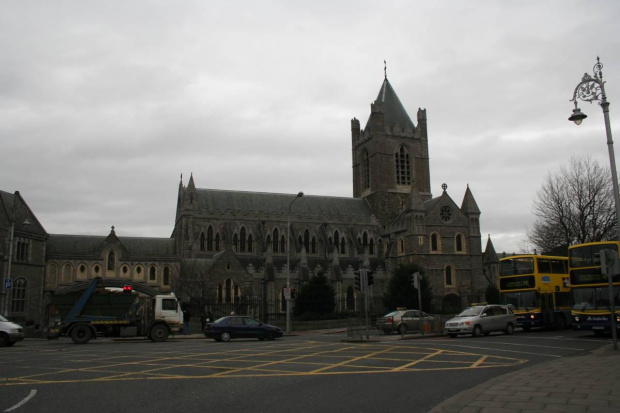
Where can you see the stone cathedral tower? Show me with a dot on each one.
(390, 156)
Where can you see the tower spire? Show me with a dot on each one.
(385, 69)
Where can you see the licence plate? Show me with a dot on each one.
(598, 328)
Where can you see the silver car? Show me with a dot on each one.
(482, 319)
(402, 321)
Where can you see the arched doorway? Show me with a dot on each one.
(451, 303)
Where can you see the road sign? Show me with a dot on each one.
(8, 283)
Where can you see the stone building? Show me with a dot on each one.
(236, 247)
(22, 255)
(392, 219)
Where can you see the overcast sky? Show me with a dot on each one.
(103, 105)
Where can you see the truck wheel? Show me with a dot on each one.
(4, 340)
(159, 333)
(81, 334)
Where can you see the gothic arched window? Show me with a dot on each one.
(202, 241)
(276, 237)
(403, 167)
(448, 275)
(365, 170)
(435, 242)
(210, 238)
(243, 240)
(18, 295)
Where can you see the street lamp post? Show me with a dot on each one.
(288, 263)
(7, 279)
(592, 88)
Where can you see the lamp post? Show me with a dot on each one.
(592, 88)
(288, 263)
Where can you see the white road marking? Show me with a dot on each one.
(20, 404)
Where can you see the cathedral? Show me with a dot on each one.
(238, 247)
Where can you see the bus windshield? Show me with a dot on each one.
(594, 298)
(587, 255)
(524, 300)
(516, 266)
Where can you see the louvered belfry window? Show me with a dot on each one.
(403, 167)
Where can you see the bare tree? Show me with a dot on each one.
(575, 205)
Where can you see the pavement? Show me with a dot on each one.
(585, 383)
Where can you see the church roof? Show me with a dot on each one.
(469, 205)
(217, 202)
(88, 245)
(395, 113)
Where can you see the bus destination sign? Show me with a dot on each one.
(517, 283)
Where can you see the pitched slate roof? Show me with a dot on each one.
(395, 113)
(89, 245)
(217, 202)
(469, 205)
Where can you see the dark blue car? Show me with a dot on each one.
(229, 327)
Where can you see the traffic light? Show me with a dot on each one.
(358, 281)
(127, 289)
(370, 278)
(293, 293)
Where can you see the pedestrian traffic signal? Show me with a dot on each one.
(293, 293)
(358, 281)
(370, 278)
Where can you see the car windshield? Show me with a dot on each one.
(392, 314)
(219, 320)
(3, 319)
(471, 311)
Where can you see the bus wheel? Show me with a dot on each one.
(560, 323)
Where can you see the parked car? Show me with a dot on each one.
(225, 328)
(482, 319)
(10, 332)
(402, 321)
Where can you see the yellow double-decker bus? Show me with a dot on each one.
(537, 288)
(590, 287)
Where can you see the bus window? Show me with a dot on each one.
(544, 266)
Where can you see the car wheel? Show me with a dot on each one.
(225, 337)
(81, 334)
(477, 331)
(4, 340)
(453, 335)
(402, 329)
(510, 329)
(271, 336)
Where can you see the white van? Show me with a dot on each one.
(10, 333)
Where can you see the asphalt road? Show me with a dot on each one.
(302, 373)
